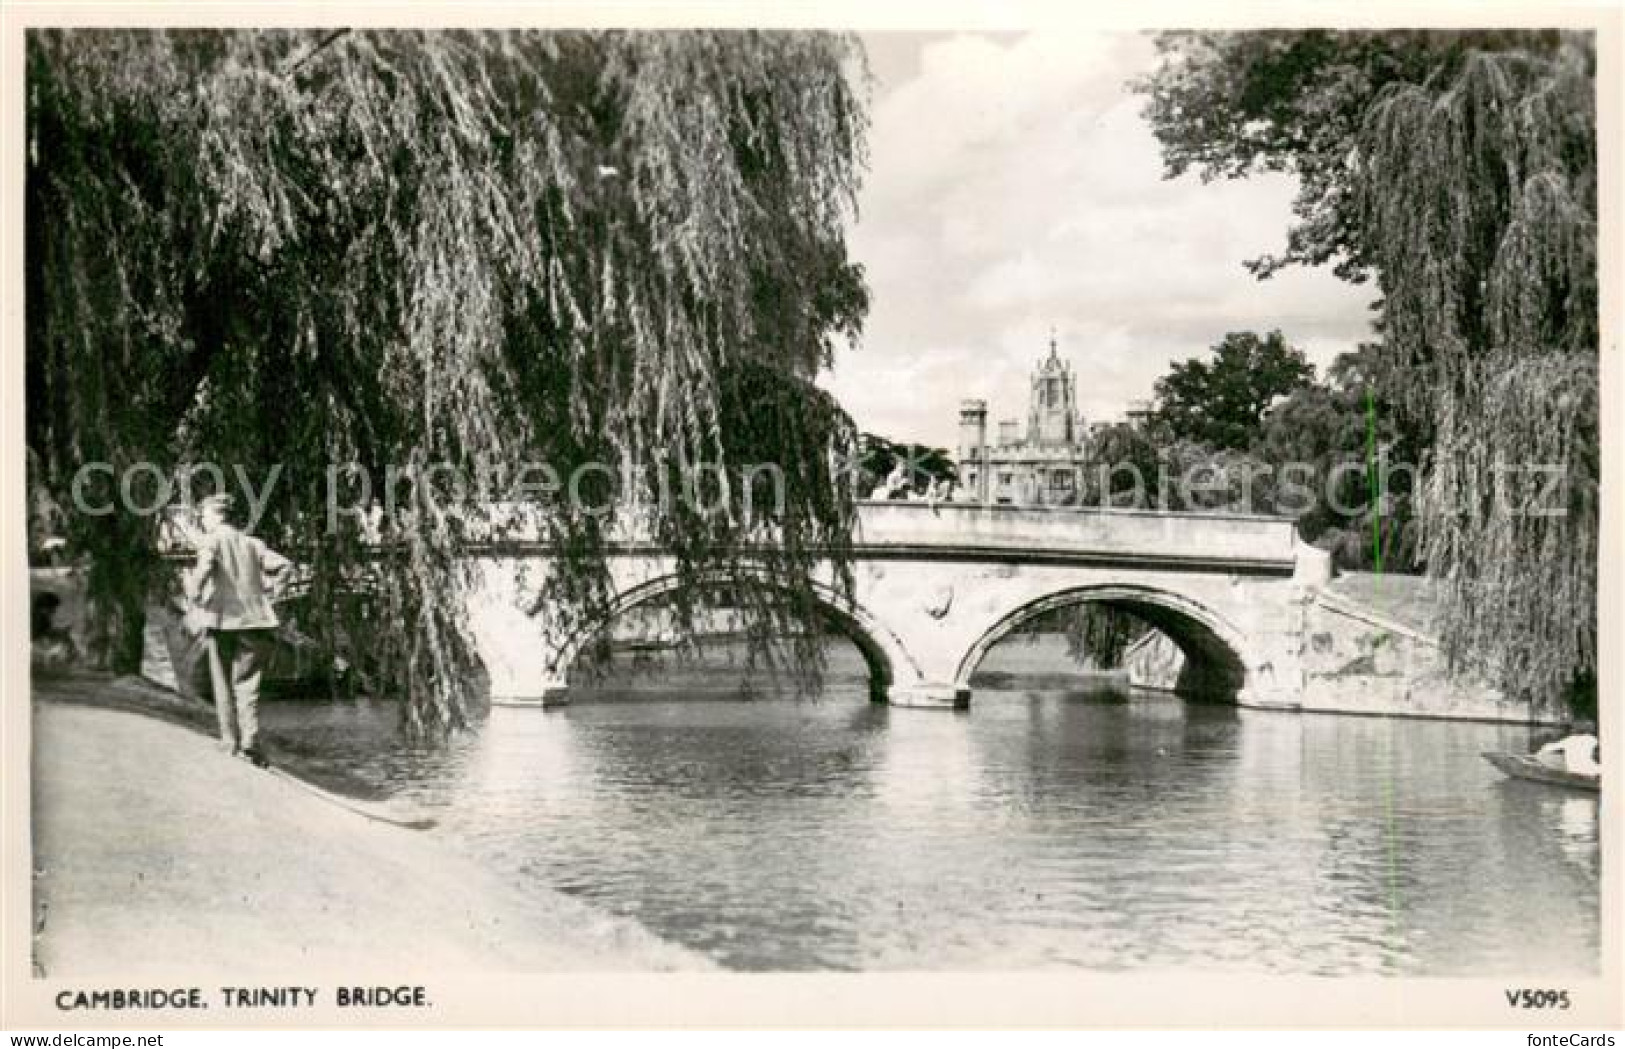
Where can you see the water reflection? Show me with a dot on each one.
(1088, 828)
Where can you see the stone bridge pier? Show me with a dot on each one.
(937, 586)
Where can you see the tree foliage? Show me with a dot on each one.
(414, 249)
(1460, 169)
(1126, 465)
(1232, 104)
(1479, 194)
(1327, 453)
(1355, 467)
(878, 456)
(1222, 402)
(1098, 634)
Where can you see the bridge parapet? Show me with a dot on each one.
(1233, 542)
(1200, 540)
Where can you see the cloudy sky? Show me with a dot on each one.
(1014, 187)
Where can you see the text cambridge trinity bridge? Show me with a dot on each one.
(936, 586)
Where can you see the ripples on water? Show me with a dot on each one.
(1099, 828)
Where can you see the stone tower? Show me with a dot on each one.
(972, 429)
(1053, 421)
(973, 447)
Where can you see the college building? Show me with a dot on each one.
(1037, 461)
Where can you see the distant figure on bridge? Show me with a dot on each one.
(941, 491)
(898, 485)
(231, 605)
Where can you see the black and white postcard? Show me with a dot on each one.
(593, 516)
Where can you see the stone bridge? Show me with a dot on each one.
(936, 586)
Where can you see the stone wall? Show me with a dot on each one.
(1357, 660)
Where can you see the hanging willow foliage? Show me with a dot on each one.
(421, 249)
(1479, 198)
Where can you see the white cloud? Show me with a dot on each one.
(1013, 187)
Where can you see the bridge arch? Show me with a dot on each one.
(1216, 664)
(882, 651)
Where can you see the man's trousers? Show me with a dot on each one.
(237, 658)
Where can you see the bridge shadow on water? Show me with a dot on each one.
(721, 667)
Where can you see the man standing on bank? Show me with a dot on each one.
(232, 606)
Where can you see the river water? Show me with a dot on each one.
(1058, 823)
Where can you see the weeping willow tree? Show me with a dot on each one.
(1459, 169)
(436, 252)
(1479, 197)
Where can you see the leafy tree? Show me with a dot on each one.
(1222, 403)
(926, 465)
(1232, 104)
(1347, 468)
(1096, 633)
(1312, 458)
(1461, 170)
(1480, 195)
(1125, 467)
(1197, 476)
(420, 249)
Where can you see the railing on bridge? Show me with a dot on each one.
(1243, 542)
(970, 531)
